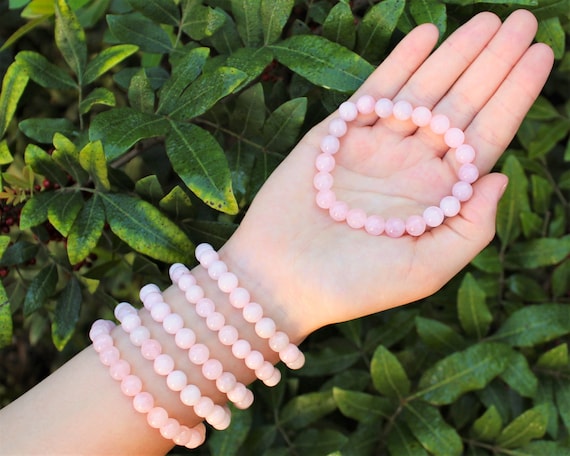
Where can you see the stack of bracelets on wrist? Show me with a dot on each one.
(217, 416)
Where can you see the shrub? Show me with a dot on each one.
(130, 130)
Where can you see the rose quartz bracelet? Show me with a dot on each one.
(131, 386)
(217, 416)
(227, 334)
(252, 312)
(415, 225)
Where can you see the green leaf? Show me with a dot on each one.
(120, 128)
(488, 426)
(107, 59)
(42, 129)
(427, 425)
(538, 252)
(42, 163)
(63, 211)
(283, 126)
(541, 193)
(13, 85)
(460, 372)
(335, 357)
(562, 398)
(247, 14)
(35, 210)
(251, 61)
(161, 11)
(145, 229)
(519, 376)
(322, 62)
(542, 109)
(206, 91)
(70, 39)
(319, 441)
(6, 326)
(528, 426)
(274, 16)
(535, 324)
(177, 202)
(556, 358)
(200, 162)
(488, 260)
(141, 95)
(561, 279)
(18, 253)
(339, 26)
(438, 336)
(138, 30)
(401, 442)
(199, 21)
(472, 309)
(377, 27)
(40, 289)
(99, 95)
(66, 155)
(228, 443)
(544, 447)
(92, 160)
(513, 202)
(5, 155)
(527, 288)
(86, 230)
(66, 313)
(43, 72)
(388, 375)
(547, 137)
(425, 11)
(305, 409)
(362, 406)
(551, 32)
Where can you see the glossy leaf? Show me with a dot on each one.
(362, 406)
(488, 426)
(252, 62)
(64, 209)
(200, 21)
(400, 441)
(472, 308)
(438, 336)
(320, 441)
(461, 372)
(524, 428)
(388, 375)
(145, 229)
(86, 230)
(121, 128)
(107, 59)
(43, 72)
(35, 210)
(335, 357)
(247, 14)
(283, 126)
(562, 398)
(13, 85)
(200, 162)
(40, 289)
(539, 252)
(561, 279)
(42, 163)
(66, 313)
(248, 116)
(140, 93)
(138, 30)
(339, 26)
(6, 325)
(66, 155)
(227, 443)
(488, 260)
(70, 38)
(18, 253)
(322, 62)
(176, 202)
(274, 16)
(92, 160)
(556, 358)
(551, 32)
(305, 409)
(98, 96)
(519, 376)
(42, 130)
(161, 11)
(431, 12)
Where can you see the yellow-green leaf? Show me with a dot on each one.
(528, 426)
(63, 211)
(388, 375)
(70, 38)
(92, 160)
(86, 231)
(472, 309)
(5, 319)
(13, 85)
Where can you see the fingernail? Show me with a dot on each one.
(503, 188)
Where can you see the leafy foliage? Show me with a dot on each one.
(130, 130)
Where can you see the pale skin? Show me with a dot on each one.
(307, 270)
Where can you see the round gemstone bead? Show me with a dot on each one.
(330, 144)
(374, 225)
(338, 127)
(150, 349)
(454, 137)
(356, 218)
(325, 163)
(252, 312)
(402, 110)
(227, 282)
(415, 225)
(265, 328)
(239, 297)
(205, 307)
(241, 348)
(347, 111)
(421, 116)
(228, 335)
(433, 216)
(163, 364)
(468, 173)
(212, 369)
(157, 417)
(198, 354)
(338, 211)
(439, 124)
(395, 227)
(325, 199)
(190, 395)
(463, 191)
(172, 323)
(384, 107)
(216, 269)
(139, 335)
(323, 180)
(194, 293)
(143, 402)
(131, 385)
(185, 338)
(365, 104)
(465, 153)
(186, 281)
(176, 380)
(215, 321)
(450, 206)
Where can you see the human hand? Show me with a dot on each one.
(484, 77)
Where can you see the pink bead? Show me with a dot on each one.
(212, 369)
(130, 322)
(148, 288)
(338, 127)
(143, 402)
(254, 360)
(131, 385)
(201, 249)
(175, 272)
(365, 104)
(159, 311)
(395, 227)
(183, 437)
(204, 407)
(241, 348)
(207, 257)
(237, 393)
(439, 124)
(100, 327)
(228, 335)
(298, 362)
(325, 162)
(216, 269)
(384, 107)
(139, 335)
(325, 199)
(402, 110)
(356, 218)
(265, 371)
(215, 321)
(151, 299)
(197, 438)
(338, 211)
(278, 341)
(185, 338)
(123, 309)
(450, 206)
(323, 180)
(120, 369)
(176, 380)
(465, 153)
(109, 356)
(454, 137)
(265, 328)
(227, 282)
(102, 342)
(274, 379)
(218, 418)
(246, 401)
(198, 354)
(468, 173)
(415, 225)
(252, 312)
(374, 225)
(463, 191)
(226, 382)
(289, 353)
(205, 307)
(239, 297)
(190, 395)
(433, 216)
(170, 429)
(194, 294)
(157, 417)
(163, 364)
(347, 111)
(421, 116)
(172, 323)
(186, 281)
(330, 144)
(150, 349)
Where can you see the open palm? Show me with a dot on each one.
(484, 77)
